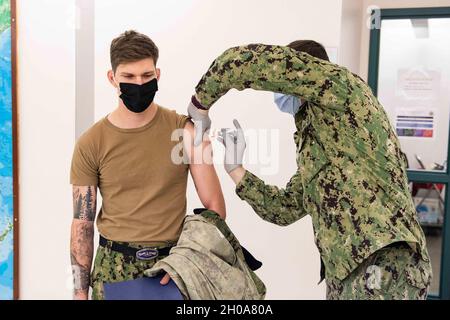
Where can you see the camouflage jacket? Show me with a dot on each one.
(208, 262)
(351, 176)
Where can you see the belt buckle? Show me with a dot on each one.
(146, 254)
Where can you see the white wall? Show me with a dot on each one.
(46, 105)
(350, 38)
(190, 34)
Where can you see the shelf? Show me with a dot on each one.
(431, 225)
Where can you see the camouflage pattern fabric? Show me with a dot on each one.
(112, 266)
(213, 218)
(208, 264)
(351, 176)
(394, 273)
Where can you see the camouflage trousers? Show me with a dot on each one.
(391, 273)
(112, 266)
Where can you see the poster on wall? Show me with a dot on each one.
(417, 122)
(8, 200)
(418, 83)
(419, 88)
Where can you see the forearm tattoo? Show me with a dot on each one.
(82, 236)
(81, 253)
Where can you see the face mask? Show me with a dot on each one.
(137, 98)
(287, 103)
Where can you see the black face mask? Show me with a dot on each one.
(137, 98)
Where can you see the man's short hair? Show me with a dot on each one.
(311, 47)
(132, 46)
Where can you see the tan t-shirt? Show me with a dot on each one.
(143, 190)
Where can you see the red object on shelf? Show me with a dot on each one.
(417, 186)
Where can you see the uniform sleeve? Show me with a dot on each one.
(279, 206)
(277, 69)
(84, 168)
(181, 120)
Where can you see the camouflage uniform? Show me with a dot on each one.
(213, 218)
(351, 176)
(390, 273)
(112, 266)
(208, 262)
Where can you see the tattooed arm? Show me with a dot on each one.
(82, 238)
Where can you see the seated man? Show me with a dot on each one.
(135, 158)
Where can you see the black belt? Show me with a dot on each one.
(137, 253)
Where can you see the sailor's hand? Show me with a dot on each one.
(165, 280)
(201, 120)
(234, 142)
